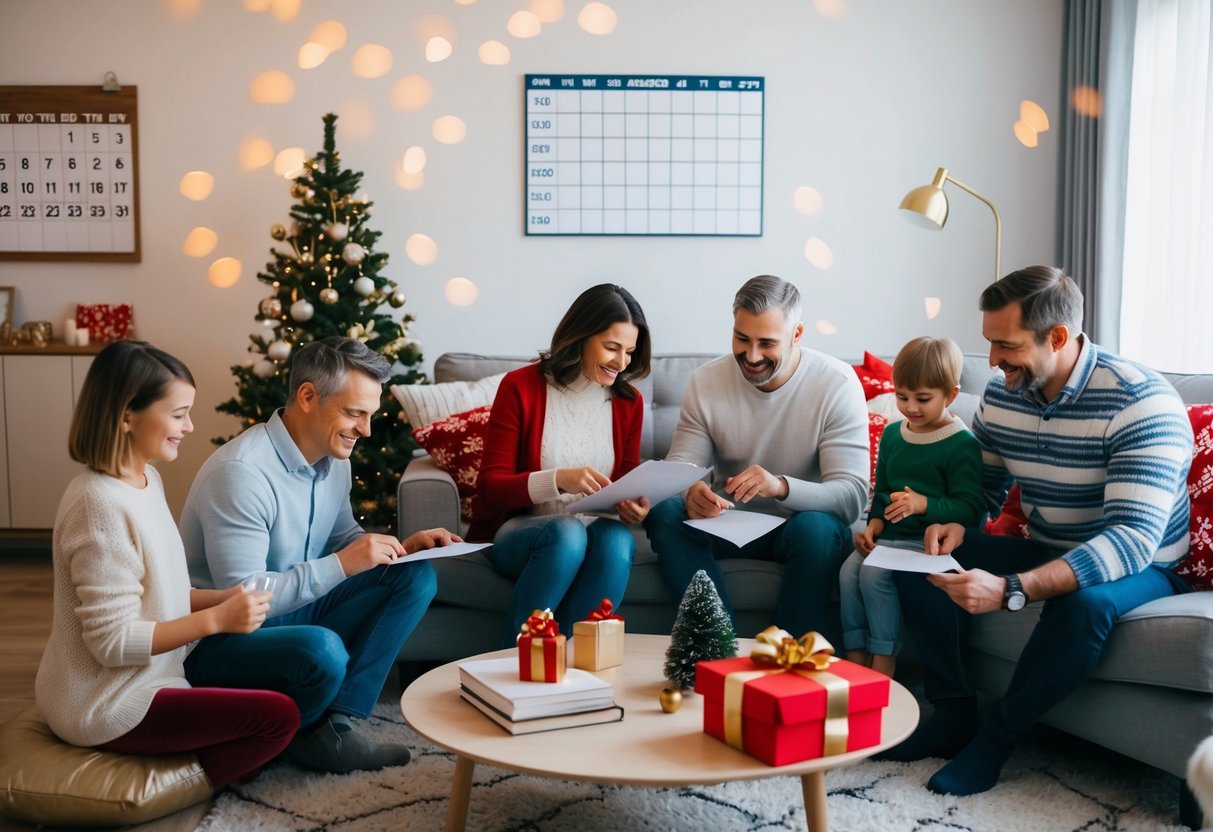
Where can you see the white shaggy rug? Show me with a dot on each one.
(1054, 783)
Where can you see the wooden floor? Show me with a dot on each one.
(25, 620)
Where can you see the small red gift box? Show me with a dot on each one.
(104, 322)
(541, 649)
(783, 714)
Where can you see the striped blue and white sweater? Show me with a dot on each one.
(1102, 469)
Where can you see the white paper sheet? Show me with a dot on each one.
(449, 551)
(907, 560)
(738, 527)
(654, 478)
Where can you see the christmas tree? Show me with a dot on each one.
(702, 632)
(329, 282)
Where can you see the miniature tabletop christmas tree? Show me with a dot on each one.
(702, 632)
(327, 281)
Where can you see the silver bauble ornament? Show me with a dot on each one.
(302, 310)
(264, 368)
(364, 286)
(329, 296)
(353, 253)
(396, 299)
(338, 231)
(279, 350)
(270, 307)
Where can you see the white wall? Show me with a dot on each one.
(862, 108)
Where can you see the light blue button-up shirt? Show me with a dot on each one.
(258, 506)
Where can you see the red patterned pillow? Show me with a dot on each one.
(1197, 567)
(875, 374)
(876, 426)
(456, 444)
(1011, 521)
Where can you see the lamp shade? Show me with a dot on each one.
(926, 207)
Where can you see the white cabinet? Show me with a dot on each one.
(40, 389)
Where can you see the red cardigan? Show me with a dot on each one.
(515, 436)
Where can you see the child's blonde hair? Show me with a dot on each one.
(928, 363)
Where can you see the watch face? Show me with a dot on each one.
(1016, 601)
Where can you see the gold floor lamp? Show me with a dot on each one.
(928, 207)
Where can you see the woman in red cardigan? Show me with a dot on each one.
(561, 428)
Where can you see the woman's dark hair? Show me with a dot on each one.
(125, 377)
(594, 311)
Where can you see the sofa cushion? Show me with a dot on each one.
(456, 444)
(875, 375)
(424, 404)
(1197, 567)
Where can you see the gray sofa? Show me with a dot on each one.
(1150, 698)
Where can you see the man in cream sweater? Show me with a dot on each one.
(785, 430)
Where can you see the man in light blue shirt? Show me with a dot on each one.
(276, 499)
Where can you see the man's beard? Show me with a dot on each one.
(760, 378)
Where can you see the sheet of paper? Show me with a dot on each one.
(654, 478)
(448, 551)
(906, 560)
(738, 527)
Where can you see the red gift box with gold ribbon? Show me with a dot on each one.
(792, 701)
(541, 653)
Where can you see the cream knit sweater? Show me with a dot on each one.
(119, 568)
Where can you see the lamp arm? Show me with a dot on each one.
(997, 223)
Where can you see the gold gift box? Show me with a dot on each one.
(598, 645)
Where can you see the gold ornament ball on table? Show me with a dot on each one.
(278, 231)
(670, 699)
(329, 296)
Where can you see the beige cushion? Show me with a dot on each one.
(424, 404)
(45, 780)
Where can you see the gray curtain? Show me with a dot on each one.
(1097, 51)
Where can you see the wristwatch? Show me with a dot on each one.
(1013, 597)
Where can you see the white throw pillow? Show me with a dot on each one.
(424, 404)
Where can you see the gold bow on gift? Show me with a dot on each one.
(808, 656)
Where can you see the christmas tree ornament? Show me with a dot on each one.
(298, 190)
(302, 310)
(670, 699)
(329, 295)
(353, 253)
(279, 350)
(364, 286)
(270, 307)
(278, 231)
(337, 231)
(396, 299)
(702, 631)
(264, 369)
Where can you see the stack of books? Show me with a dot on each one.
(492, 686)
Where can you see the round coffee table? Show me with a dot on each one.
(648, 748)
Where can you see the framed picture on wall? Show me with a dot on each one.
(6, 305)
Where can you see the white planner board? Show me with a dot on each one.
(644, 155)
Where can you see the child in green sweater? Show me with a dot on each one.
(928, 471)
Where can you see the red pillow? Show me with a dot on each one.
(876, 426)
(1011, 521)
(1197, 567)
(456, 444)
(875, 374)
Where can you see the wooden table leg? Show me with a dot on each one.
(813, 785)
(461, 794)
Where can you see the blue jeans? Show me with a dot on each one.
(811, 545)
(559, 563)
(871, 615)
(1063, 649)
(331, 655)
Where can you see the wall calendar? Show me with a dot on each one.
(69, 173)
(644, 154)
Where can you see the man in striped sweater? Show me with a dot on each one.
(1100, 448)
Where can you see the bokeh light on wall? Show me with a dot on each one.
(285, 10)
(196, 185)
(817, 252)
(524, 24)
(437, 49)
(312, 55)
(200, 242)
(1085, 101)
(289, 162)
(1033, 115)
(372, 61)
(833, 9)
(825, 327)
(597, 19)
(932, 307)
(465, 2)
(1025, 134)
(257, 5)
(184, 9)
(408, 181)
(449, 129)
(414, 159)
(330, 34)
(460, 291)
(271, 87)
(808, 200)
(548, 11)
(224, 272)
(493, 53)
(421, 249)
(411, 93)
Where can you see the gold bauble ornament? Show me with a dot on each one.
(396, 299)
(670, 699)
(278, 231)
(298, 190)
(270, 307)
(329, 296)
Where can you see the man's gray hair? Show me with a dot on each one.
(1046, 295)
(325, 363)
(765, 292)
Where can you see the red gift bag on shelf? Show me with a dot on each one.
(106, 322)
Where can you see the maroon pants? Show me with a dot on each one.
(232, 732)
